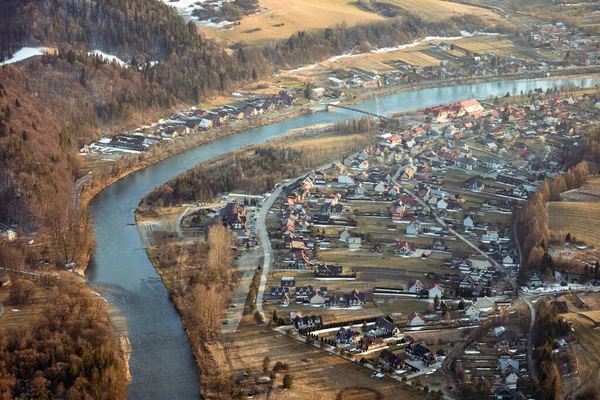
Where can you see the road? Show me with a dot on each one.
(247, 263)
(263, 237)
(530, 360)
(78, 188)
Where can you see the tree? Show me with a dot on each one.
(266, 364)
(82, 78)
(436, 302)
(20, 291)
(288, 380)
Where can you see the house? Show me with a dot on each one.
(344, 235)
(345, 179)
(508, 261)
(416, 287)
(288, 281)
(416, 319)
(473, 312)
(504, 393)
(485, 304)
(413, 228)
(354, 298)
(511, 379)
(205, 124)
(347, 336)
(416, 351)
(439, 245)
(354, 243)
(468, 222)
(471, 106)
(316, 298)
(312, 321)
(382, 324)
(442, 204)
(407, 249)
(387, 359)
(233, 216)
(370, 343)
(505, 364)
(435, 290)
(328, 270)
(491, 235)
(535, 281)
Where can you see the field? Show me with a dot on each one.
(317, 374)
(424, 55)
(281, 19)
(581, 219)
(24, 313)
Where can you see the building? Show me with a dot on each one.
(347, 336)
(354, 243)
(435, 290)
(416, 319)
(416, 287)
(370, 343)
(312, 321)
(387, 359)
(416, 351)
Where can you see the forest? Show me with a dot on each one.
(254, 170)
(70, 352)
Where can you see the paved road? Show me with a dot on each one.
(247, 263)
(530, 360)
(263, 237)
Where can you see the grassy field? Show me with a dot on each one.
(281, 19)
(24, 313)
(581, 219)
(317, 374)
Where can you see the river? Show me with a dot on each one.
(162, 364)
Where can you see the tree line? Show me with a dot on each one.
(534, 228)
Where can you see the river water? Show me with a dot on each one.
(162, 365)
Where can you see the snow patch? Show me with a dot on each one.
(109, 57)
(25, 53)
(463, 34)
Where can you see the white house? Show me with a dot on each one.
(316, 298)
(468, 222)
(508, 261)
(472, 311)
(485, 303)
(435, 290)
(345, 179)
(511, 380)
(416, 319)
(379, 188)
(354, 243)
(345, 235)
(442, 204)
(413, 228)
(417, 287)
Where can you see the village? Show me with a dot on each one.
(376, 254)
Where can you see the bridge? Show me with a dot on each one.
(358, 111)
